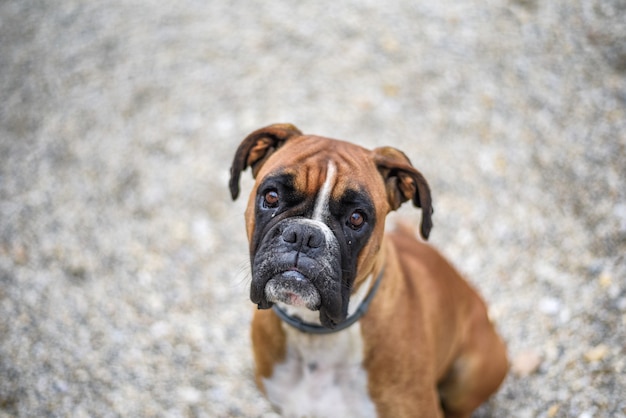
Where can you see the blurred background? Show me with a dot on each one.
(123, 262)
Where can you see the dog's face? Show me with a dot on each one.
(315, 217)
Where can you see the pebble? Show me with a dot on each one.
(189, 395)
(597, 353)
(549, 306)
(526, 363)
(553, 410)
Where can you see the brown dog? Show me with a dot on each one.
(362, 323)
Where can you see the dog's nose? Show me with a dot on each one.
(303, 236)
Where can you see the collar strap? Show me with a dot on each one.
(319, 329)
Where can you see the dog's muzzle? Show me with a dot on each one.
(298, 263)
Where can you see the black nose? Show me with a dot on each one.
(303, 237)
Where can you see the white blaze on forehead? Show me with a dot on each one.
(321, 204)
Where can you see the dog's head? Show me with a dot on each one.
(315, 217)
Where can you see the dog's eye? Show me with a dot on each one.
(271, 199)
(356, 219)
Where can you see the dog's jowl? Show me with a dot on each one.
(353, 321)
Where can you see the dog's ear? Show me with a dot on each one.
(256, 148)
(404, 182)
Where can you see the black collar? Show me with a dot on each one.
(319, 329)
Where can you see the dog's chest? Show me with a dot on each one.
(322, 376)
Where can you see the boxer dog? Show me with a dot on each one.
(353, 322)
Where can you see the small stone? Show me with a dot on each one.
(189, 395)
(605, 280)
(390, 44)
(160, 329)
(553, 410)
(565, 315)
(391, 90)
(549, 306)
(20, 255)
(526, 363)
(195, 332)
(597, 353)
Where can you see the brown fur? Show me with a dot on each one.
(443, 332)
(267, 333)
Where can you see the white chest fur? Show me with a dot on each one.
(322, 376)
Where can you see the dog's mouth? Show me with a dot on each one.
(293, 288)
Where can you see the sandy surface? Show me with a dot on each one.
(123, 263)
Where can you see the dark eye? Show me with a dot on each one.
(356, 219)
(271, 199)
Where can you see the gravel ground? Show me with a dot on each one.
(123, 264)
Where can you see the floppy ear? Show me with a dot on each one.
(256, 148)
(404, 182)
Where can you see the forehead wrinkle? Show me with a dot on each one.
(355, 171)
